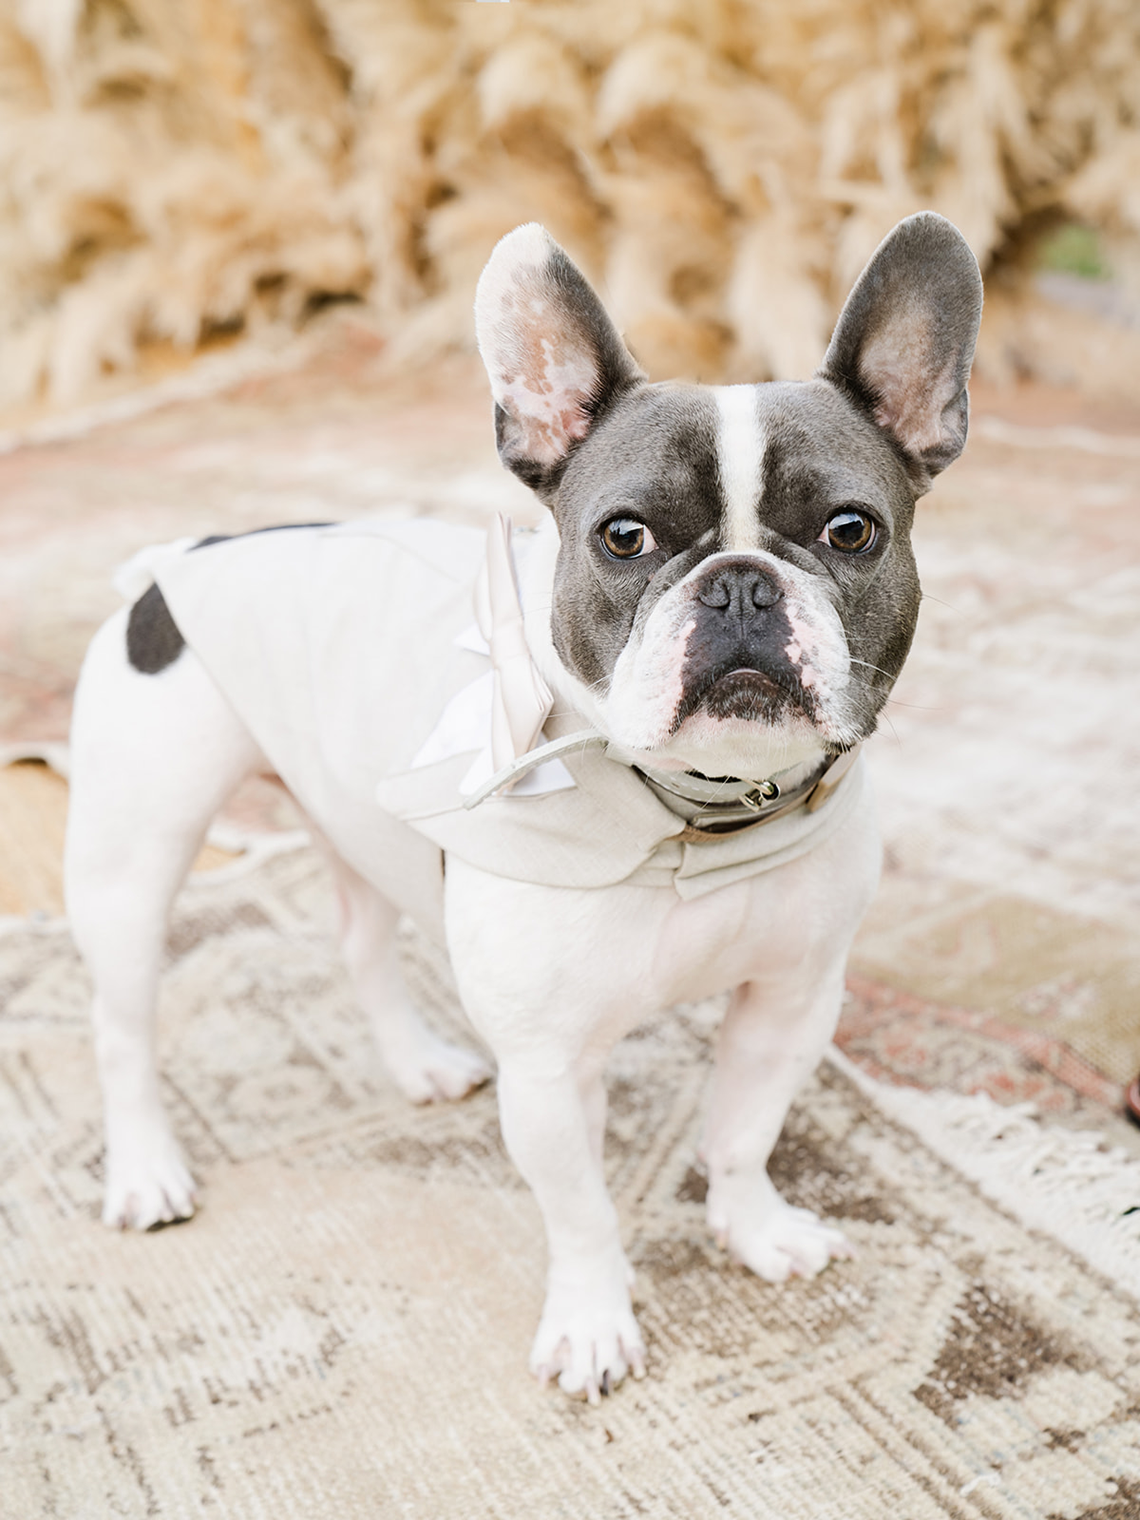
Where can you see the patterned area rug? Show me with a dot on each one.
(343, 1329)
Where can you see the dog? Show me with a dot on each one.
(633, 780)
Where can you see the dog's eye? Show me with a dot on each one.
(625, 538)
(850, 531)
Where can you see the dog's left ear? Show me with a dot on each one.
(904, 342)
(554, 358)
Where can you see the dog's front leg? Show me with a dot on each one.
(771, 1040)
(588, 1336)
(778, 1024)
(536, 983)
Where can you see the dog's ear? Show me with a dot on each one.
(554, 358)
(904, 342)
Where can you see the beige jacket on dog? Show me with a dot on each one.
(296, 627)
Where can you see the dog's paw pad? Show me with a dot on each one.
(437, 1071)
(143, 1194)
(789, 1242)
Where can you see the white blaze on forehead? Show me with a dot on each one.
(740, 459)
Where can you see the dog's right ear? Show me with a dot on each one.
(554, 358)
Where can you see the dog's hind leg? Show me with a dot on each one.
(153, 758)
(424, 1067)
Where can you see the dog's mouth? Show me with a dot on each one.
(746, 694)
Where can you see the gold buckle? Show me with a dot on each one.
(760, 796)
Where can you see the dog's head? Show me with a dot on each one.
(734, 587)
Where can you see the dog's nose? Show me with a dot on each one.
(736, 588)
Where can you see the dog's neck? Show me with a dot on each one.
(754, 758)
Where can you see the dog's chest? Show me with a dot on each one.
(629, 950)
(766, 927)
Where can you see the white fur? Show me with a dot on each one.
(740, 445)
(155, 756)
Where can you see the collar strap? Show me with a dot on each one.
(710, 806)
(725, 800)
(715, 791)
(701, 801)
(715, 822)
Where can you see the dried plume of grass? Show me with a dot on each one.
(172, 168)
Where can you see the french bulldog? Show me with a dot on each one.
(712, 616)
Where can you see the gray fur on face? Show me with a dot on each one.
(755, 641)
(654, 460)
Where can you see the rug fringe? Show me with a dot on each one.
(1069, 1184)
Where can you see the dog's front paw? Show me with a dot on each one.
(429, 1070)
(773, 1239)
(588, 1340)
(147, 1184)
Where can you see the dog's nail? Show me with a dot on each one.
(606, 1382)
(637, 1364)
(592, 1395)
(543, 1374)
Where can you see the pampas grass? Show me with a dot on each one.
(171, 169)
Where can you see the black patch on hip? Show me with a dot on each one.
(154, 641)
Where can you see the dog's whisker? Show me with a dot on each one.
(877, 668)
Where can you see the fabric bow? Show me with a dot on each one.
(522, 699)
